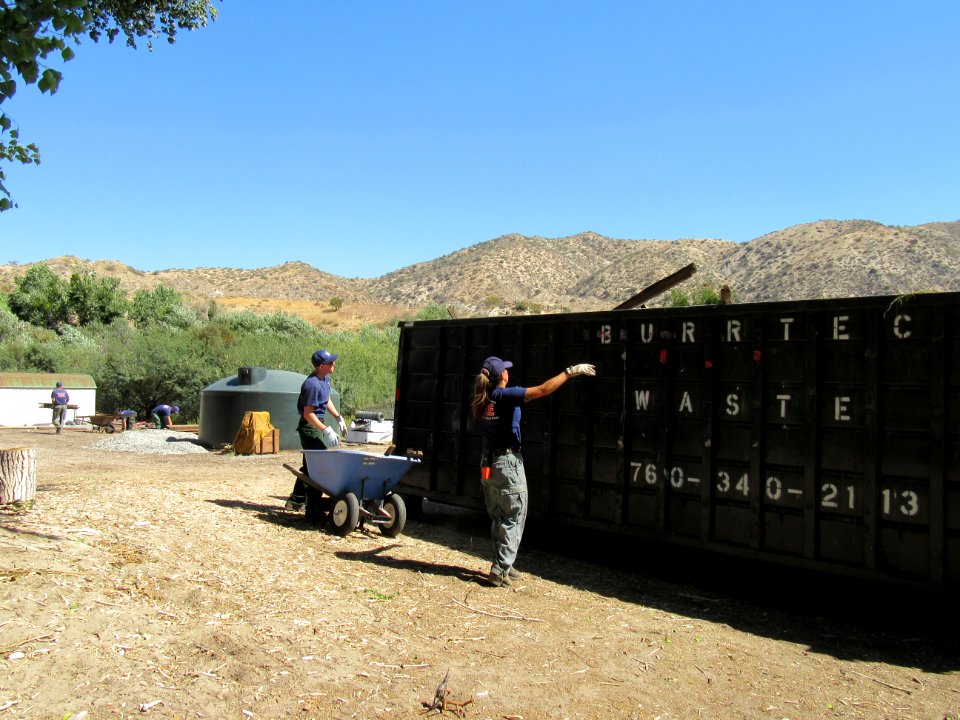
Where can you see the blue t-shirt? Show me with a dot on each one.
(162, 411)
(60, 396)
(501, 419)
(314, 393)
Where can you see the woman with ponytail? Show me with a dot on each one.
(502, 477)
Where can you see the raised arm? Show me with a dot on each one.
(554, 383)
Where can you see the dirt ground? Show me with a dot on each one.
(176, 586)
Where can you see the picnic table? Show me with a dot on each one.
(70, 406)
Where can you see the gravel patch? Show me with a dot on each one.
(152, 442)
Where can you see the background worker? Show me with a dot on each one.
(160, 416)
(129, 418)
(502, 476)
(59, 398)
(315, 426)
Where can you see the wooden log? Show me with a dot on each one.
(18, 475)
(660, 286)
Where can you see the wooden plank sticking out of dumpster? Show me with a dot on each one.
(660, 286)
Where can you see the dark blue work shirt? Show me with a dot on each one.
(60, 396)
(314, 393)
(501, 419)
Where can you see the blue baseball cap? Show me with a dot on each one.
(495, 366)
(322, 356)
(176, 408)
(59, 384)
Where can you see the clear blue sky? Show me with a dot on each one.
(362, 137)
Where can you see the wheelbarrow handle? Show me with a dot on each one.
(295, 471)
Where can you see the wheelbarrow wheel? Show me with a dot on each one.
(397, 509)
(345, 514)
(109, 429)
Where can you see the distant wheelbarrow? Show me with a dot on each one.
(102, 422)
(360, 485)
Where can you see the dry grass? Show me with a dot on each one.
(351, 316)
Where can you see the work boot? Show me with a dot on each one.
(498, 580)
(59, 430)
(514, 575)
(295, 503)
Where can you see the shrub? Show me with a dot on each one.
(40, 297)
(433, 311)
(284, 323)
(161, 306)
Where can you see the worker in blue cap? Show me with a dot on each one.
(160, 416)
(503, 479)
(317, 415)
(59, 398)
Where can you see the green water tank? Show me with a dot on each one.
(223, 404)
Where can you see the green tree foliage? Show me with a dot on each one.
(336, 303)
(15, 339)
(40, 297)
(161, 306)
(366, 368)
(142, 369)
(166, 353)
(706, 294)
(34, 31)
(433, 311)
(93, 299)
(279, 323)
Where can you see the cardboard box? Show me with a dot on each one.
(270, 443)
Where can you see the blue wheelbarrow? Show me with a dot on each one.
(360, 489)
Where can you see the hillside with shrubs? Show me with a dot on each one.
(153, 346)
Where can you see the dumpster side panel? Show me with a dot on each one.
(818, 433)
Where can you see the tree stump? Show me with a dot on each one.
(18, 475)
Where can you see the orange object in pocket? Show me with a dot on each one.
(485, 473)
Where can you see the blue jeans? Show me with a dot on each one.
(505, 495)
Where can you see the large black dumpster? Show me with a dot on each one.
(823, 434)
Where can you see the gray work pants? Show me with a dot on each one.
(506, 498)
(59, 412)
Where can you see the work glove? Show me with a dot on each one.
(329, 438)
(581, 369)
(343, 425)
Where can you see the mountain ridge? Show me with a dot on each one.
(588, 271)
